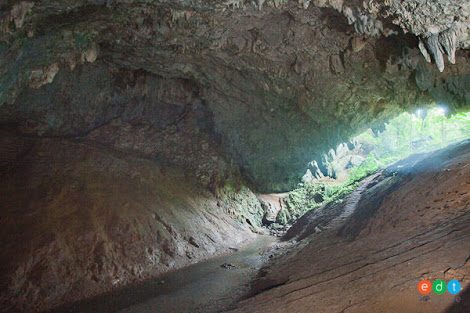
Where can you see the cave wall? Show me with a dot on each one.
(132, 126)
(129, 110)
(78, 220)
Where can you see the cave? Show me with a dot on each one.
(235, 156)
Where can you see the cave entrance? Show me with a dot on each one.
(341, 170)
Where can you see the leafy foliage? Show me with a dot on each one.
(408, 133)
(314, 195)
(368, 167)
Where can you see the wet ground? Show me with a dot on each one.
(206, 287)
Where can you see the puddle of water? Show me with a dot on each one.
(203, 287)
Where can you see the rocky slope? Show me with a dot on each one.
(403, 229)
(78, 220)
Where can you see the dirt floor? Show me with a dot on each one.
(412, 222)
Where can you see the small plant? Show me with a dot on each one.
(369, 166)
(83, 40)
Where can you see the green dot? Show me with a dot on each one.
(439, 286)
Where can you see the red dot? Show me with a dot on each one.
(424, 287)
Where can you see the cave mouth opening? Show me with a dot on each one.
(341, 169)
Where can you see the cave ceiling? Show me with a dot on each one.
(258, 87)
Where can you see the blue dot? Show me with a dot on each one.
(454, 287)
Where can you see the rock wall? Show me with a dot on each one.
(127, 110)
(368, 253)
(78, 220)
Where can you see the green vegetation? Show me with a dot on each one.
(313, 195)
(83, 40)
(420, 132)
(368, 167)
(404, 135)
